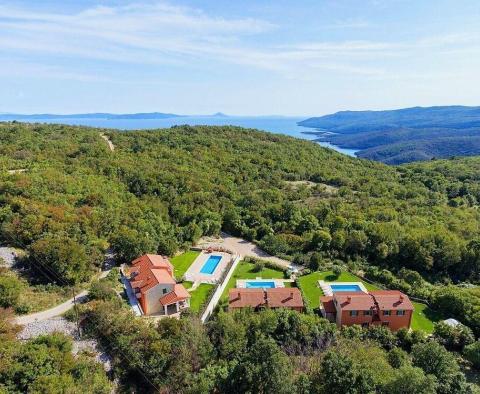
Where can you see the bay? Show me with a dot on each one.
(273, 124)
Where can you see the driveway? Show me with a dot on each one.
(244, 248)
(64, 307)
(53, 312)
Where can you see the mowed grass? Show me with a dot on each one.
(311, 290)
(182, 262)
(246, 270)
(199, 296)
(423, 317)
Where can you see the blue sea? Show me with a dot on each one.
(273, 124)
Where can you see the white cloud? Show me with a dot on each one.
(163, 34)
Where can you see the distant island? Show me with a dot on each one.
(403, 135)
(97, 115)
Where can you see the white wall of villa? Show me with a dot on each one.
(153, 296)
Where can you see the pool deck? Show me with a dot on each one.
(242, 283)
(327, 289)
(194, 275)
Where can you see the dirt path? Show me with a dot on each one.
(56, 310)
(244, 248)
(110, 143)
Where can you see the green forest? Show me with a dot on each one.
(66, 199)
(403, 135)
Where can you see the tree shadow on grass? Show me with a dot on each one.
(331, 278)
(432, 315)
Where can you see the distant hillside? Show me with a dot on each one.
(98, 115)
(403, 135)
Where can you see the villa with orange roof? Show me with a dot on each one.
(388, 308)
(259, 298)
(151, 278)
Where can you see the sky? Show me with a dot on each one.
(247, 57)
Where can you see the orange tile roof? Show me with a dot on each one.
(160, 261)
(284, 296)
(162, 276)
(240, 298)
(354, 300)
(392, 300)
(328, 305)
(149, 270)
(274, 298)
(381, 299)
(179, 293)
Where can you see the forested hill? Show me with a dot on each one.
(404, 135)
(456, 117)
(64, 193)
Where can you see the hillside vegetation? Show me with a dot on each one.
(405, 135)
(163, 189)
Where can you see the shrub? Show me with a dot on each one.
(472, 353)
(453, 337)
(259, 266)
(101, 290)
(398, 358)
(336, 271)
(10, 290)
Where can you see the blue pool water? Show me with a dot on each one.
(259, 285)
(210, 265)
(337, 288)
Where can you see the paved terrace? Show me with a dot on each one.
(193, 273)
(243, 248)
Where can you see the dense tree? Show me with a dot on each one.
(10, 290)
(409, 380)
(453, 337)
(62, 259)
(435, 360)
(472, 353)
(161, 191)
(264, 368)
(46, 365)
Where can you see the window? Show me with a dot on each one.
(164, 291)
(400, 312)
(353, 313)
(386, 313)
(385, 323)
(367, 313)
(365, 325)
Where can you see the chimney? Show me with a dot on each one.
(291, 295)
(239, 295)
(349, 299)
(401, 298)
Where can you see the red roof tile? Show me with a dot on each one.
(354, 300)
(383, 299)
(149, 270)
(328, 305)
(179, 293)
(392, 300)
(274, 298)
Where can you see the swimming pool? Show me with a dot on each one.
(259, 284)
(210, 265)
(339, 288)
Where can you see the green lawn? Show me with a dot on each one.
(199, 296)
(309, 284)
(245, 270)
(423, 316)
(182, 262)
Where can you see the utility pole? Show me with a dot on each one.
(76, 312)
